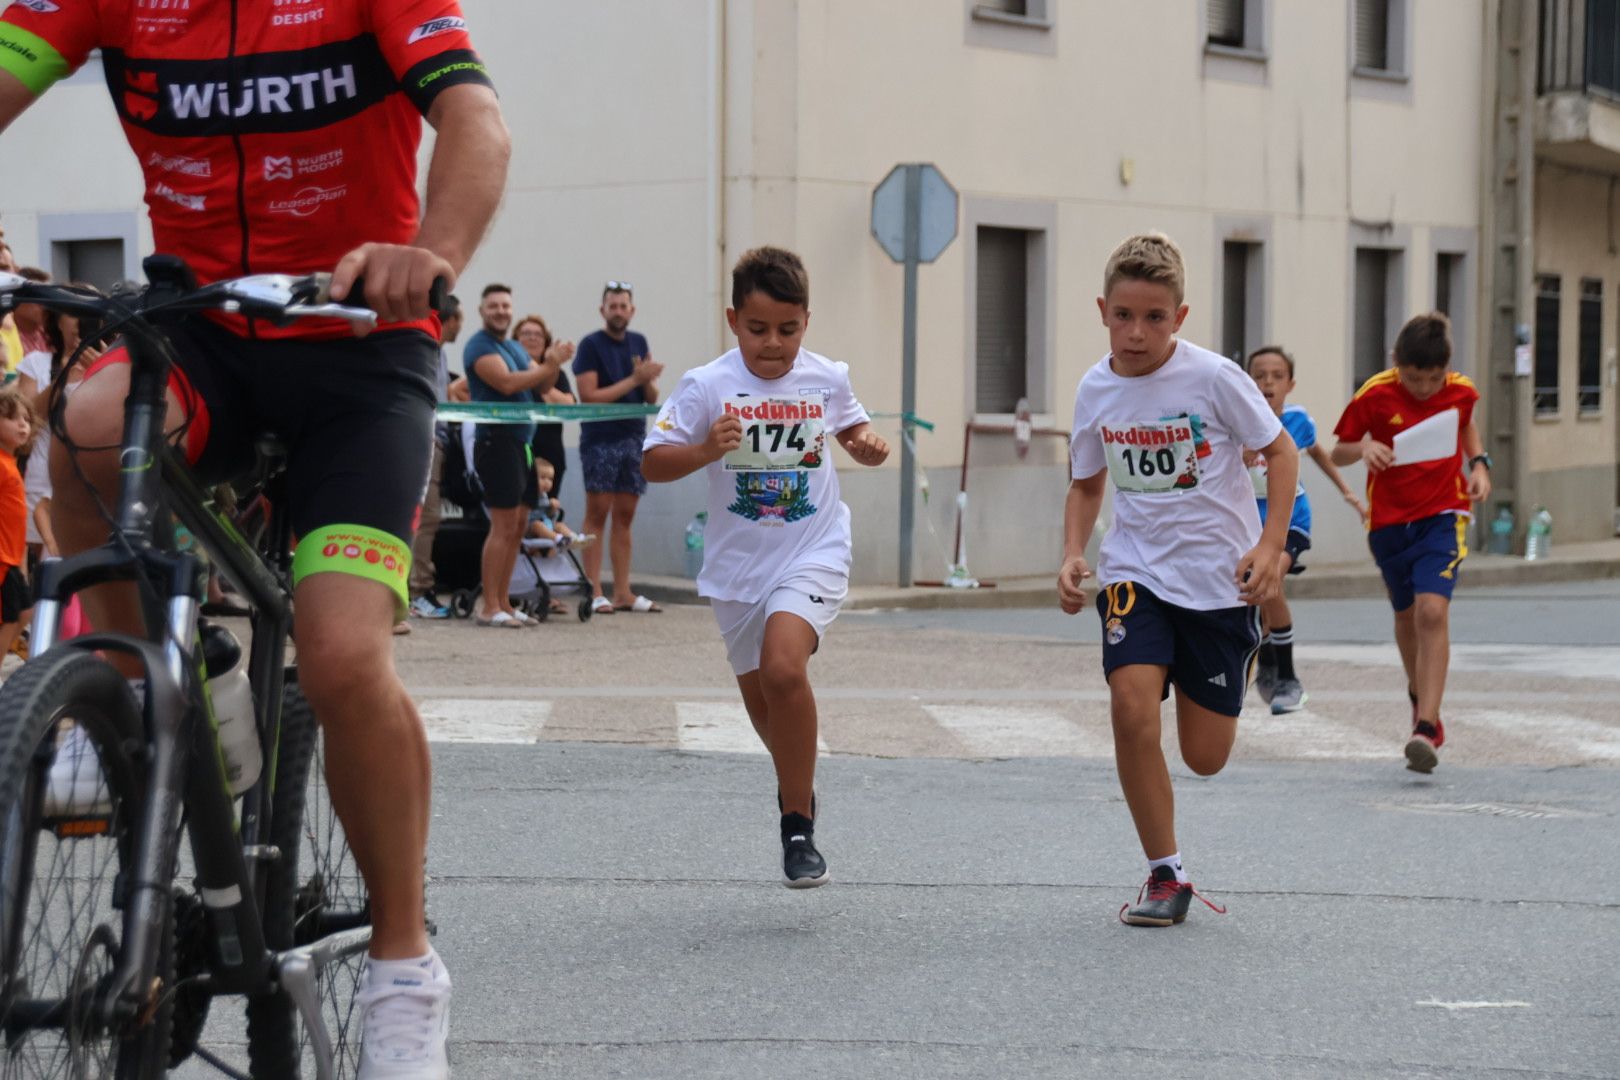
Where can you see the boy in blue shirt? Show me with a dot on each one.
(1272, 370)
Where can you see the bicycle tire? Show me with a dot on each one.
(86, 851)
(313, 889)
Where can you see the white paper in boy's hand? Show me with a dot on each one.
(1431, 440)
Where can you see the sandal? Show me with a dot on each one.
(641, 605)
(501, 619)
(602, 606)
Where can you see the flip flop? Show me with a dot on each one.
(640, 604)
(602, 606)
(500, 619)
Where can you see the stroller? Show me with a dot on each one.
(458, 549)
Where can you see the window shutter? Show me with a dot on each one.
(1001, 351)
(1226, 22)
(1372, 34)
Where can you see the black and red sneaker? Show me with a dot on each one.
(1423, 748)
(1166, 901)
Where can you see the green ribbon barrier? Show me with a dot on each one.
(909, 420)
(524, 412)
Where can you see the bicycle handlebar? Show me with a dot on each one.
(279, 298)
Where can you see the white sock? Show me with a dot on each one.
(1173, 862)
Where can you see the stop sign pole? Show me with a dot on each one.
(914, 219)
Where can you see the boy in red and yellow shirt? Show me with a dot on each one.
(1419, 510)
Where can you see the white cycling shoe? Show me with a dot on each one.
(74, 785)
(405, 1018)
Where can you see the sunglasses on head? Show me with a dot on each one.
(616, 286)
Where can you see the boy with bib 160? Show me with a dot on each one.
(1186, 560)
(776, 550)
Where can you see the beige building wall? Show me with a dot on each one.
(1572, 451)
(655, 141)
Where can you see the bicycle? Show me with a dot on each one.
(108, 961)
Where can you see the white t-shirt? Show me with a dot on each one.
(773, 502)
(1172, 443)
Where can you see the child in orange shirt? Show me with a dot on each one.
(17, 429)
(1420, 509)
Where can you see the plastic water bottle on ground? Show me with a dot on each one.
(1538, 539)
(1502, 533)
(694, 544)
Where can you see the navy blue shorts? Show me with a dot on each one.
(1297, 544)
(1421, 556)
(1210, 654)
(613, 467)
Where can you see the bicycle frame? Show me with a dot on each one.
(176, 708)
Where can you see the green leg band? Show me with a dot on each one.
(355, 549)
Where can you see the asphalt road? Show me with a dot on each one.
(604, 861)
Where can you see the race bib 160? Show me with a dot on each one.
(1152, 457)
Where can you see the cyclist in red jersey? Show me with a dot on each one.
(281, 136)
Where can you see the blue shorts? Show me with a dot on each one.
(1420, 556)
(613, 467)
(1210, 654)
(1297, 544)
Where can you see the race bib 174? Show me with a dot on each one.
(778, 434)
(1152, 457)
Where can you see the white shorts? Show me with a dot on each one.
(811, 593)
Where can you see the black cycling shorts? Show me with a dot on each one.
(356, 417)
(505, 467)
(15, 595)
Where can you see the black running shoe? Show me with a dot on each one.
(802, 865)
(1166, 903)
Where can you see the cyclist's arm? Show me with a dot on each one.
(465, 179)
(14, 98)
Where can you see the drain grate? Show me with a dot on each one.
(1505, 810)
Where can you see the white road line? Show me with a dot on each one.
(1307, 734)
(1004, 731)
(1453, 1006)
(720, 727)
(497, 720)
(1586, 740)
(1552, 661)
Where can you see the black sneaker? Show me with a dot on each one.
(1166, 903)
(802, 865)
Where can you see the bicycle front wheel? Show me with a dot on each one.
(70, 812)
(314, 890)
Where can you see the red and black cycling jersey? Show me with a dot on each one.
(274, 135)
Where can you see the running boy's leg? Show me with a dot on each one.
(1206, 736)
(1135, 692)
(787, 725)
(1431, 625)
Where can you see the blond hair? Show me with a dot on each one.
(1147, 257)
(14, 403)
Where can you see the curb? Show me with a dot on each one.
(1327, 582)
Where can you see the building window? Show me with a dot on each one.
(1379, 30)
(97, 262)
(1371, 343)
(1546, 374)
(1448, 285)
(1226, 23)
(1001, 372)
(1033, 11)
(1587, 389)
(1242, 298)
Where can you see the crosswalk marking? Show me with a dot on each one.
(1307, 734)
(1545, 661)
(498, 720)
(1587, 740)
(720, 727)
(1002, 731)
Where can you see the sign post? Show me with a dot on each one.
(914, 214)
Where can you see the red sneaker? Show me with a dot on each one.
(1422, 749)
